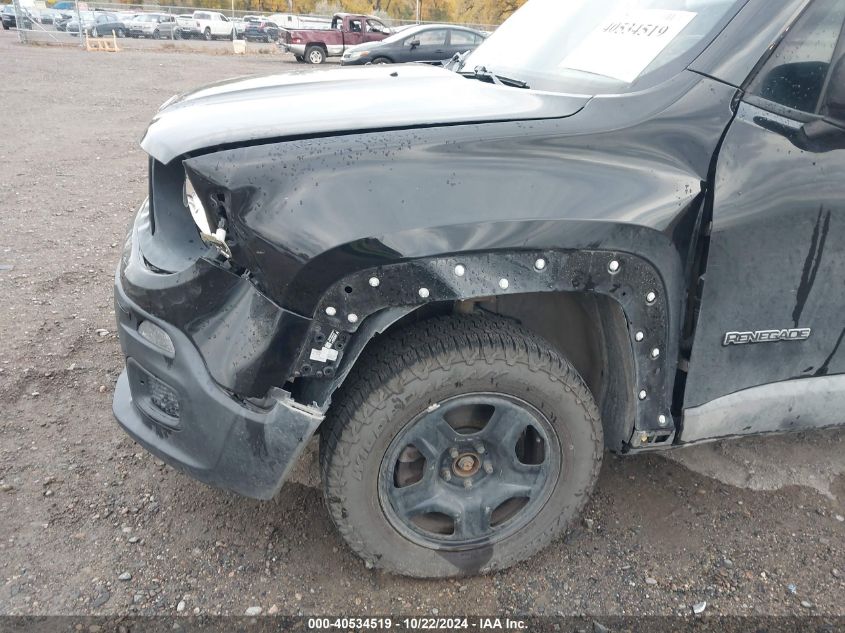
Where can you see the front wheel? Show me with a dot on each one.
(121, 33)
(207, 35)
(381, 60)
(315, 55)
(461, 446)
(156, 35)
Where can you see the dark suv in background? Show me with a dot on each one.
(261, 31)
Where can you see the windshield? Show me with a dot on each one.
(601, 46)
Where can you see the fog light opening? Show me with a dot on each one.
(158, 337)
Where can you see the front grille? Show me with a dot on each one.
(172, 242)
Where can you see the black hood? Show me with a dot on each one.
(327, 101)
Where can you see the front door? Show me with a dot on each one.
(431, 46)
(355, 33)
(773, 305)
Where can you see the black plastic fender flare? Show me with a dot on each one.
(630, 280)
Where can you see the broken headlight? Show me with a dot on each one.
(212, 229)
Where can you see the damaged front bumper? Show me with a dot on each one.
(178, 395)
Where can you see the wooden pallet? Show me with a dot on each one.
(106, 45)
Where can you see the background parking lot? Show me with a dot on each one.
(91, 523)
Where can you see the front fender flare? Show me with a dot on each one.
(629, 279)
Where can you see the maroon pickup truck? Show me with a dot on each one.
(315, 45)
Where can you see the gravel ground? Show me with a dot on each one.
(91, 524)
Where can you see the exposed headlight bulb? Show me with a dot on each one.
(214, 236)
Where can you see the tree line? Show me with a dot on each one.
(466, 11)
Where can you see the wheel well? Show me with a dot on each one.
(590, 330)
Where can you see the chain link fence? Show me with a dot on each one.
(108, 26)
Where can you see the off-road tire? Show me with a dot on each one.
(400, 376)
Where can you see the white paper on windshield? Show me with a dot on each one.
(624, 46)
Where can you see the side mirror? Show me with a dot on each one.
(835, 102)
(820, 136)
(415, 44)
(817, 136)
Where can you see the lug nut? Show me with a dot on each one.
(643, 395)
(540, 264)
(460, 270)
(331, 311)
(446, 474)
(662, 421)
(466, 463)
(453, 453)
(467, 483)
(479, 448)
(655, 353)
(352, 318)
(639, 336)
(651, 297)
(424, 293)
(374, 282)
(504, 284)
(488, 468)
(613, 267)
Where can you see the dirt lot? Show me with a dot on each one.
(754, 527)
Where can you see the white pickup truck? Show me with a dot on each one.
(212, 24)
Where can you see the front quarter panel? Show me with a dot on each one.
(624, 178)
